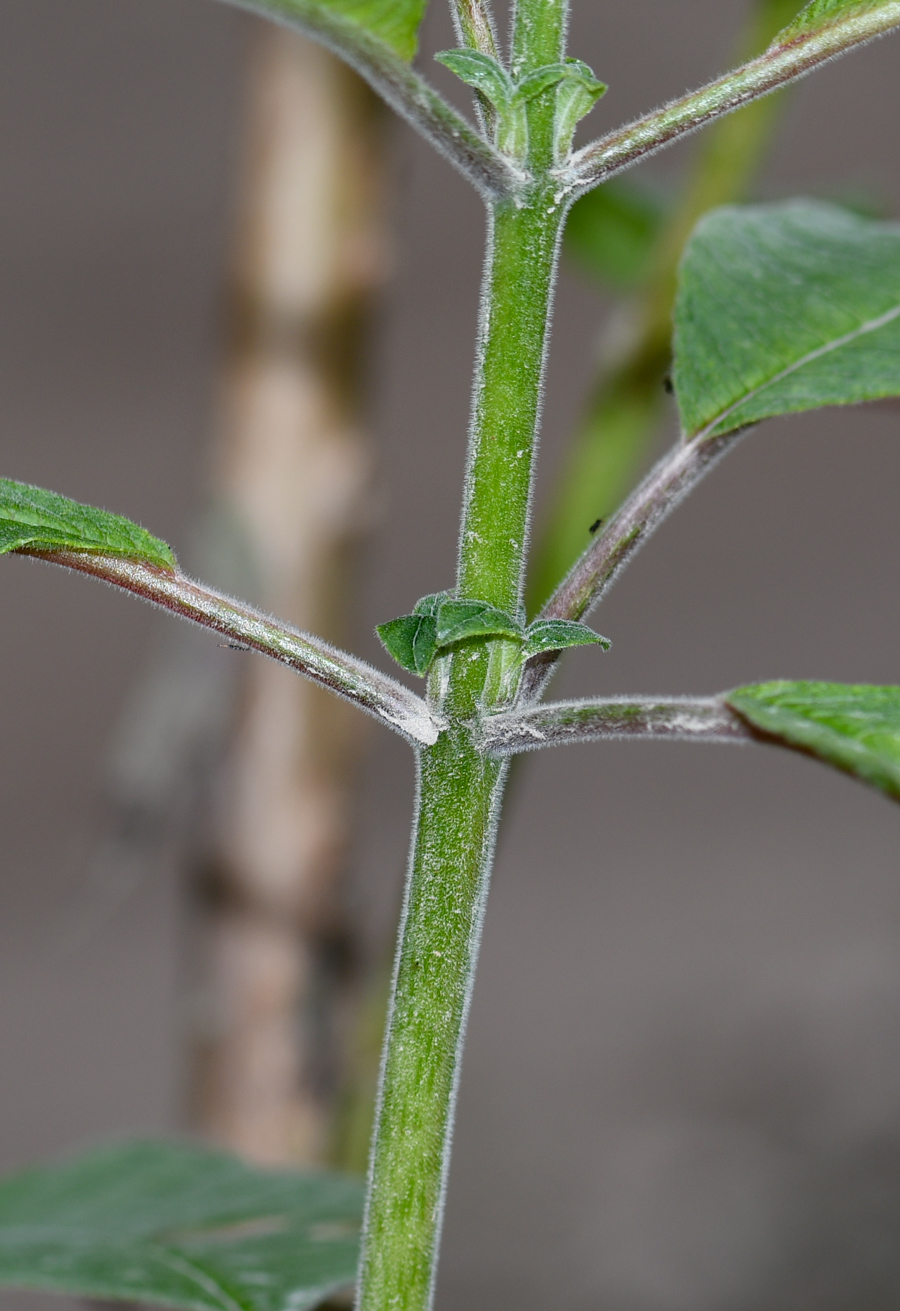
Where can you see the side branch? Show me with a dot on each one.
(701, 719)
(408, 94)
(385, 698)
(475, 25)
(781, 64)
(591, 577)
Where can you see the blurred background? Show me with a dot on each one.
(682, 1084)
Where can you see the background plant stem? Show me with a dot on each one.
(274, 971)
(293, 466)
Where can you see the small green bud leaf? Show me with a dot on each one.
(578, 92)
(411, 641)
(540, 79)
(481, 72)
(430, 604)
(557, 634)
(459, 620)
(32, 519)
(856, 728)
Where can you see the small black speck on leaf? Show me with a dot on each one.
(595, 525)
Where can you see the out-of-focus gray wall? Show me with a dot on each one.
(682, 1088)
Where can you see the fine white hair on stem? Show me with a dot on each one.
(356, 681)
(561, 723)
(782, 63)
(408, 94)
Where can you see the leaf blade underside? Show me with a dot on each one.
(821, 13)
(853, 727)
(784, 308)
(395, 23)
(33, 519)
(181, 1226)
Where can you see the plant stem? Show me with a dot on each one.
(781, 64)
(628, 399)
(382, 696)
(408, 94)
(591, 577)
(693, 719)
(460, 788)
(523, 242)
(676, 474)
(459, 799)
(475, 25)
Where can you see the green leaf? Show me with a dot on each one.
(820, 13)
(411, 640)
(558, 634)
(459, 620)
(612, 232)
(578, 92)
(783, 308)
(395, 22)
(540, 79)
(180, 1226)
(32, 519)
(856, 728)
(430, 604)
(481, 72)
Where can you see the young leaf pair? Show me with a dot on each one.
(577, 91)
(439, 623)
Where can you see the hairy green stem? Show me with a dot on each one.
(459, 798)
(523, 244)
(408, 94)
(628, 401)
(781, 64)
(475, 25)
(692, 719)
(460, 787)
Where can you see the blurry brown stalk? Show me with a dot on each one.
(292, 466)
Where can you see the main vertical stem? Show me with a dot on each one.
(460, 789)
(459, 796)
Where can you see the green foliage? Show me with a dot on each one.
(780, 309)
(459, 620)
(856, 728)
(395, 22)
(180, 1226)
(578, 91)
(558, 634)
(822, 12)
(32, 519)
(785, 308)
(482, 72)
(439, 622)
(612, 232)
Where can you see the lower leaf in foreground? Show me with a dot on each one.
(856, 728)
(182, 1226)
